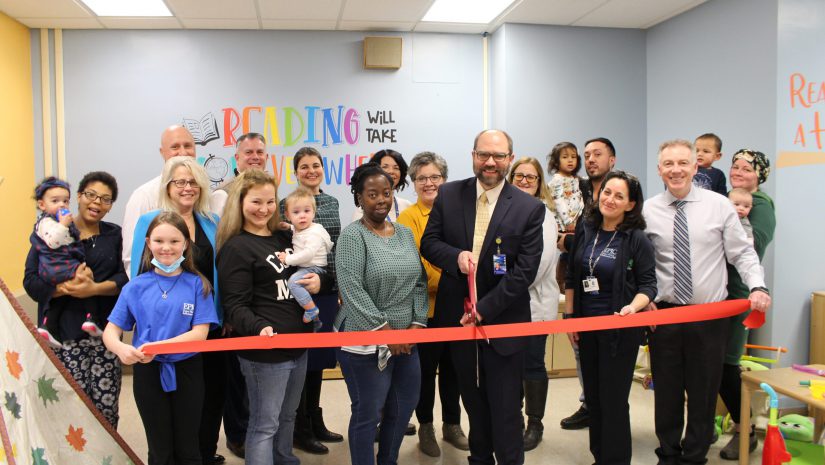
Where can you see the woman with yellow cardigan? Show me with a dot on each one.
(428, 171)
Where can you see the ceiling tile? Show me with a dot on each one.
(43, 9)
(376, 26)
(140, 23)
(635, 13)
(61, 23)
(299, 24)
(561, 12)
(385, 10)
(198, 23)
(212, 9)
(304, 9)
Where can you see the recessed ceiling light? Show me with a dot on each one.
(128, 7)
(466, 11)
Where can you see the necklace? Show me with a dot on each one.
(376, 232)
(165, 293)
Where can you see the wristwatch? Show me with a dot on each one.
(761, 289)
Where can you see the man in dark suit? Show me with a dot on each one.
(477, 221)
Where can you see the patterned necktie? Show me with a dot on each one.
(682, 281)
(482, 221)
(384, 355)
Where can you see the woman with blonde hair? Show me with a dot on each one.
(254, 293)
(184, 189)
(527, 175)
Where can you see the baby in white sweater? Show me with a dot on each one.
(310, 245)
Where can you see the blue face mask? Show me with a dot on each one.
(168, 268)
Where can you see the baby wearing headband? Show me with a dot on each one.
(60, 253)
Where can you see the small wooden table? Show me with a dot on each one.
(784, 381)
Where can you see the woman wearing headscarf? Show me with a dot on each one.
(749, 170)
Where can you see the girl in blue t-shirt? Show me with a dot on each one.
(171, 302)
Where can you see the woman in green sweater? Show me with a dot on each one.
(383, 286)
(749, 169)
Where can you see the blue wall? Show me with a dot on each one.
(122, 88)
(726, 67)
(713, 69)
(800, 256)
(553, 84)
(723, 67)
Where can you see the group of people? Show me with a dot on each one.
(246, 271)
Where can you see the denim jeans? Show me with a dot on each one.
(274, 392)
(302, 295)
(387, 396)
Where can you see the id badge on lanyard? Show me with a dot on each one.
(499, 260)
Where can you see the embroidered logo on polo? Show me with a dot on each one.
(609, 253)
(188, 309)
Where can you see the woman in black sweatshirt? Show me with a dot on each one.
(257, 301)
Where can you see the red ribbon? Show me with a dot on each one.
(686, 314)
(470, 302)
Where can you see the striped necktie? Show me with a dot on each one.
(682, 281)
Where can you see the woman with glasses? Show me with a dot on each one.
(96, 284)
(428, 171)
(527, 175)
(393, 164)
(184, 188)
(611, 270)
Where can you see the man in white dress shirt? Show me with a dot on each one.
(694, 232)
(174, 141)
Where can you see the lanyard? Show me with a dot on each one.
(590, 262)
(395, 202)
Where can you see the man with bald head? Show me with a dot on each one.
(487, 227)
(175, 141)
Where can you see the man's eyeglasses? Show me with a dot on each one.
(92, 196)
(484, 156)
(436, 178)
(531, 178)
(181, 183)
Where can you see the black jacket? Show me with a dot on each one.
(635, 263)
(517, 220)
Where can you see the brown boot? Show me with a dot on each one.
(455, 436)
(426, 440)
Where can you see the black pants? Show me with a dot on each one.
(214, 394)
(435, 356)
(494, 405)
(607, 360)
(171, 419)
(309, 404)
(236, 409)
(730, 390)
(686, 359)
